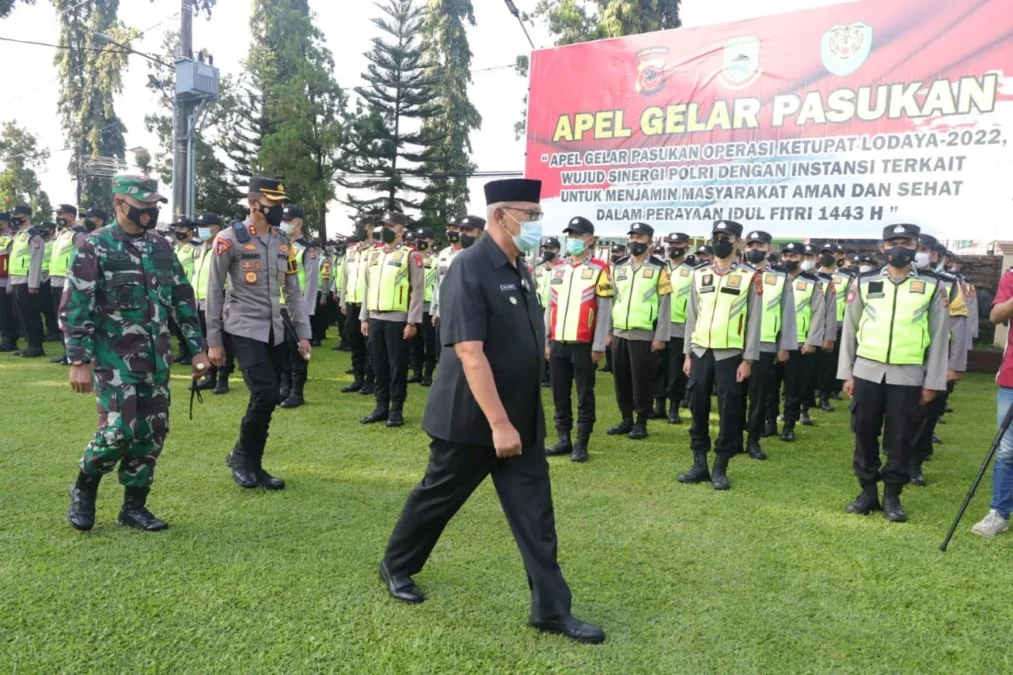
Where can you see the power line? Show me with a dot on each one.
(49, 44)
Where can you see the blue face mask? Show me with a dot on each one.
(204, 233)
(530, 236)
(576, 246)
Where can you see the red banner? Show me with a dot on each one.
(832, 122)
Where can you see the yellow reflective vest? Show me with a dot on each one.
(47, 257)
(638, 292)
(429, 261)
(894, 326)
(388, 285)
(723, 307)
(21, 255)
(202, 272)
(356, 261)
(773, 290)
(841, 281)
(63, 252)
(802, 287)
(682, 283)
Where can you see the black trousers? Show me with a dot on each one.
(29, 314)
(708, 372)
(8, 321)
(389, 353)
(569, 362)
(633, 366)
(774, 400)
(795, 379)
(320, 319)
(260, 363)
(877, 408)
(47, 308)
(827, 381)
(423, 350)
(810, 370)
(56, 297)
(524, 490)
(230, 357)
(358, 344)
(293, 365)
(669, 378)
(924, 422)
(760, 391)
(339, 319)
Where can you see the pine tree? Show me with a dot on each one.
(447, 163)
(20, 156)
(7, 6)
(400, 92)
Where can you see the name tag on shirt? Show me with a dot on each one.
(508, 287)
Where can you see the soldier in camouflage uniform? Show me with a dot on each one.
(121, 289)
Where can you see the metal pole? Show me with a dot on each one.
(181, 119)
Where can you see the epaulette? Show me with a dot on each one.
(871, 273)
(620, 261)
(928, 273)
(776, 268)
(825, 276)
(654, 260)
(597, 262)
(808, 275)
(946, 276)
(704, 265)
(749, 266)
(242, 232)
(79, 229)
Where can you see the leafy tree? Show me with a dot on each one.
(20, 156)
(7, 6)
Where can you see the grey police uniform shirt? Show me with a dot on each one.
(309, 260)
(443, 261)
(257, 274)
(960, 334)
(787, 340)
(327, 287)
(3, 281)
(930, 375)
(80, 235)
(37, 245)
(972, 311)
(416, 297)
(754, 319)
(818, 320)
(603, 317)
(663, 331)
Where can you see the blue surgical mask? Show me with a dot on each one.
(530, 236)
(576, 246)
(204, 233)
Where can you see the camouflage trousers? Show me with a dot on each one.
(133, 420)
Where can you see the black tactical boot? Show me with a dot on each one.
(580, 447)
(917, 478)
(295, 397)
(396, 416)
(355, 386)
(264, 479)
(286, 385)
(719, 477)
(32, 353)
(892, 509)
(427, 377)
(937, 440)
(639, 430)
(416, 377)
(242, 468)
(622, 428)
(82, 502)
(673, 413)
(825, 405)
(380, 414)
(836, 395)
(223, 384)
(659, 409)
(58, 359)
(947, 410)
(135, 515)
(368, 388)
(788, 433)
(563, 446)
(754, 449)
(8, 347)
(804, 418)
(769, 429)
(698, 473)
(866, 502)
(210, 381)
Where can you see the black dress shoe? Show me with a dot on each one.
(546, 384)
(941, 420)
(350, 371)
(222, 387)
(825, 405)
(947, 409)
(266, 480)
(836, 396)
(401, 588)
(639, 431)
(606, 369)
(8, 347)
(788, 434)
(571, 627)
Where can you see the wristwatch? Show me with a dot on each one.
(79, 363)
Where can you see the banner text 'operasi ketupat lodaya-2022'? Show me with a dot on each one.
(831, 122)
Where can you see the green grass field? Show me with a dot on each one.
(770, 577)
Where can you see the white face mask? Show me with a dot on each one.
(922, 258)
(865, 268)
(808, 265)
(288, 228)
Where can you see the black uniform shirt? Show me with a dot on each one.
(486, 299)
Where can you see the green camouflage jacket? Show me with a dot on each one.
(119, 294)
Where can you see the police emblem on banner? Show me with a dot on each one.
(651, 70)
(845, 47)
(741, 62)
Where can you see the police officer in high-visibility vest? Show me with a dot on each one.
(617, 252)
(541, 272)
(669, 378)
(52, 332)
(929, 259)
(321, 319)
(467, 231)
(8, 323)
(810, 298)
(704, 255)
(208, 227)
(305, 256)
(577, 320)
(723, 322)
(340, 252)
(424, 344)
(185, 244)
(69, 236)
(778, 335)
(832, 275)
(893, 359)
(395, 291)
(641, 325)
(351, 295)
(25, 279)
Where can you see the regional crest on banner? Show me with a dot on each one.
(651, 70)
(845, 47)
(741, 61)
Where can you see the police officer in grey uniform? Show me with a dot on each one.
(25, 288)
(295, 369)
(256, 260)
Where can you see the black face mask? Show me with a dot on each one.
(827, 260)
(359, 235)
(637, 248)
(756, 256)
(467, 240)
(91, 225)
(453, 237)
(899, 256)
(18, 220)
(273, 214)
(841, 261)
(180, 236)
(136, 216)
(388, 235)
(676, 253)
(548, 256)
(62, 222)
(722, 248)
(423, 245)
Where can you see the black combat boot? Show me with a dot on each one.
(804, 418)
(242, 467)
(673, 413)
(82, 502)
(936, 439)
(564, 446)
(8, 346)
(836, 395)
(396, 416)
(659, 409)
(355, 386)
(622, 428)
(264, 479)
(866, 502)
(58, 359)
(917, 477)
(368, 388)
(135, 515)
(295, 397)
(416, 376)
(32, 353)
(286, 384)
(639, 430)
(754, 449)
(698, 473)
(892, 510)
(210, 381)
(769, 429)
(222, 387)
(427, 377)
(788, 433)
(719, 477)
(380, 414)
(825, 405)
(580, 447)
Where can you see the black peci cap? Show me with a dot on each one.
(182, 221)
(513, 190)
(365, 221)
(21, 210)
(579, 225)
(927, 240)
(760, 236)
(5, 217)
(905, 230)
(704, 250)
(395, 218)
(47, 225)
